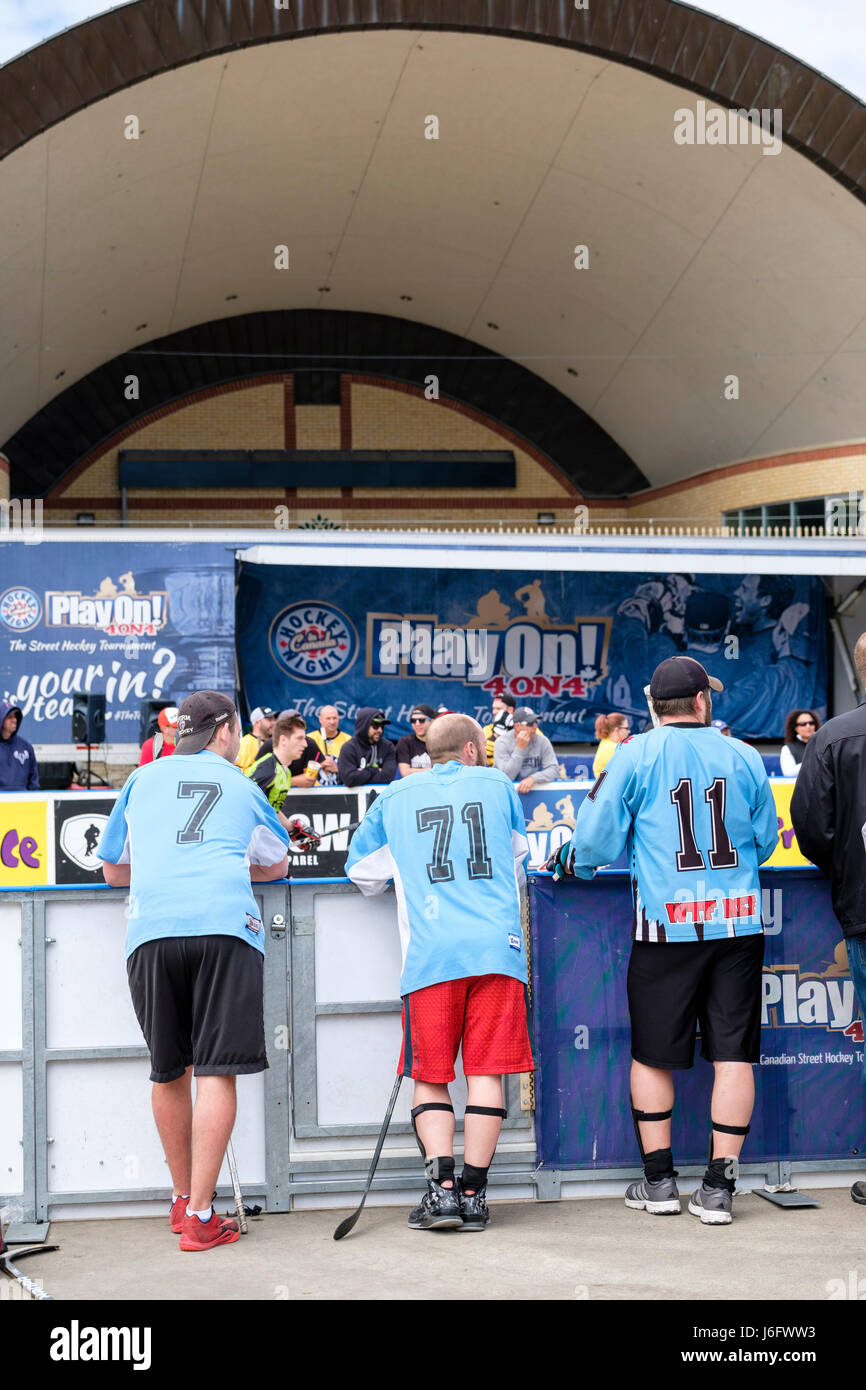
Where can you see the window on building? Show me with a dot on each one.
(834, 515)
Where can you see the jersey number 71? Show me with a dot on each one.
(440, 819)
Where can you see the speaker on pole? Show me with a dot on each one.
(88, 718)
(149, 717)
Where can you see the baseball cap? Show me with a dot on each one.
(721, 724)
(427, 710)
(706, 611)
(678, 677)
(524, 715)
(167, 718)
(262, 712)
(378, 718)
(199, 716)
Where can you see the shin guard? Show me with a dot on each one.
(419, 1110)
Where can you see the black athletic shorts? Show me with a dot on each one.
(199, 1001)
(676, 987)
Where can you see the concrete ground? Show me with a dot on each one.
(568, 1250)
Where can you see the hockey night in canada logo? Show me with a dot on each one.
(313, 641)
(20, 609)
(529, 654)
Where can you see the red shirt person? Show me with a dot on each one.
(162, 743)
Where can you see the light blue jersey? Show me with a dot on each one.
(453, 840)
(696, 814)
(191, 826)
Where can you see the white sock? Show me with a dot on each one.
(202, 1215)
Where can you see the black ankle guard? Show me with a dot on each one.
(485, 1110)
(722, 1172)
(659, 1164)
(473, 1178)
(439, 1169)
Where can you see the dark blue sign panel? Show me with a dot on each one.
(809, 1087)
(571, 645)
(137, 621)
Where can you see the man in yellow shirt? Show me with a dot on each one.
(262, 719)
(329, 739)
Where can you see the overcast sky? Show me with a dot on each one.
(831, 36)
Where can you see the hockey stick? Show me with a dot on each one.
(7, 1267)
(346, 1226)
(239, 1201)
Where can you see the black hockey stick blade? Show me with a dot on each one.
(346, 1226)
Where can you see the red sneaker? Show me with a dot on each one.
(177, 1213)
(204, 1235)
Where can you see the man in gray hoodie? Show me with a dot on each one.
(524, 754)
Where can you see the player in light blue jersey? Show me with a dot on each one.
(695, 812)
(188, 834)
(453, 839)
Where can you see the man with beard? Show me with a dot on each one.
(368, 759)
(695, 811)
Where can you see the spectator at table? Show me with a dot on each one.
(800, 726)
(412, 755)
(262, 719)
(369, 758)
(524, 754)
(330, 740)
(610, 730)
(18, 768)
(161, 744)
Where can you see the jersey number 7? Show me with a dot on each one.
(440, 819)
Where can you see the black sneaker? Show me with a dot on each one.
(439, 1207)
(473, 1210)
(858, 1193)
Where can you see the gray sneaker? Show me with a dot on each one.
(712, 1205)
(661, 1198)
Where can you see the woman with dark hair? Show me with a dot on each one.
(800, 725)
(610, 729)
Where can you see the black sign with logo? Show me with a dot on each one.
(78, 826)
(334, 816)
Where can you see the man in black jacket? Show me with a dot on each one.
(828, 812)
(368, 759)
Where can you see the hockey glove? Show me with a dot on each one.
(301, 833)
(561, 862)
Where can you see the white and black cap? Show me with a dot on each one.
(198, 718)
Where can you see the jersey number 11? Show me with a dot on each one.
(722, 855)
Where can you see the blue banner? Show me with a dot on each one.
(810, 1085)
(137, 621)
(571, 645)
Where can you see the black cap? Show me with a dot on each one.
(427, 710)
(706, 611)
(199, 717)
(679, 677)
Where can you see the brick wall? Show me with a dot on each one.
(261, 414)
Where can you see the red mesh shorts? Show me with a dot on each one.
(486, 1012)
